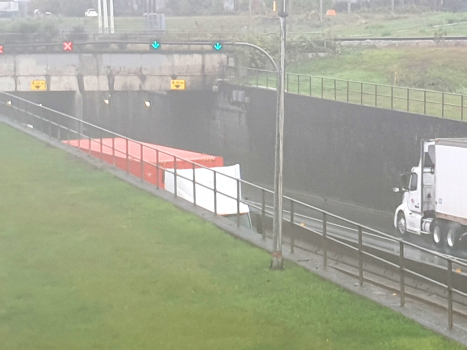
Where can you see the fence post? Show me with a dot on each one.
(127, 158)
(424, 101)
(322, 87)
(100, 144)
(408, 100)
(113, 150)
(267, 81)
(348, 91)
(450, 316)
(90, 144)
(360, 255)
(361, 93)
(194, 184)
(157, 169)
(175, 176)
(263, 212)
(325, 242)
(392, 97)
(310, 84)
(79, 135)
(288, 78)
(462, 107)
(142, 163)
(238, 202)
(402, 272)
(298, 85)
(442, 105)
(50, 128)
(376, 95)
(215, 192)
(292, 243)
(335, 90)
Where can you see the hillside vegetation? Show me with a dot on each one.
(438, 68)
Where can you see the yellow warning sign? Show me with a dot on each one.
(39, 85)
(177, 84)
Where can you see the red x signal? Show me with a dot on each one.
(68, 46)
(1, 49)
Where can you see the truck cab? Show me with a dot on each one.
(416, 212)
(434, 192)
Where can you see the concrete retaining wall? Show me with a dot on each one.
(110, 71)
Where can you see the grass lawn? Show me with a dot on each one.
(89, 262)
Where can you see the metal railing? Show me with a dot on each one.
(427, 102)
(149, 35)
(305, 225)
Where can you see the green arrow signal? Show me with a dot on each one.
(217, 46)
(155, 45)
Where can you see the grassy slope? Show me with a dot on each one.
(87, 261)
(439, 68)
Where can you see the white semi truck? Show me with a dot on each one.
(434, 198)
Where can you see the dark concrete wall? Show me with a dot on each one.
(333, 151)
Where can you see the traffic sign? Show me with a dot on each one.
(177, 84)
(1, 49)
(68, 46)
(155, 45)
(39, 85)
(217, 46)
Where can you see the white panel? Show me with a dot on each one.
(127, 83)
(205, 186)
(451, 180)
(7, 84)
(63, 83)
(94, 83)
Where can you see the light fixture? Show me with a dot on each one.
(147, 103)
(106, 101)
(8, 103)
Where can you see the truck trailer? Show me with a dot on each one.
(434, 201)
(127, 154)
(228, 189)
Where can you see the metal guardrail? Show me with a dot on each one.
(427, 102)
(148, 35)
(62, 127)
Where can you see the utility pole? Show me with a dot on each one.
(321, 10)
(112, 20)
(249, 18)
(392, 6)
(276, 262)
(349, 7)
(106, 18)
(99, 15)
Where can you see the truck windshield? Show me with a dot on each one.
(413, 182)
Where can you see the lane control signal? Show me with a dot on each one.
(217, 46)
(68, 46)
(155, 45)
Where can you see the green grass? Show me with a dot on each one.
(359, 23)
(88, 262)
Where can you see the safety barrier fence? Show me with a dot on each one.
(427, 102)
(129, 35)
(303, 223)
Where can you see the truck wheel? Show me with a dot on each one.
(401, 223)
(438, 233)
(453, 234)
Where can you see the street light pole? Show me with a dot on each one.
(276, 262)
(249, 17)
